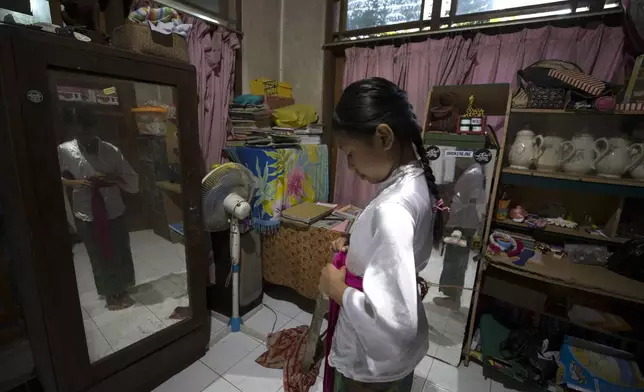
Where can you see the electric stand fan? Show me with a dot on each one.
(226, 194)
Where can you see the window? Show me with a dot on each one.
(473, 6)
(363, 14)
(368, 18)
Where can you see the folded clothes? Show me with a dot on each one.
(170, 28)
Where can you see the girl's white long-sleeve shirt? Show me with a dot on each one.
(382, 332)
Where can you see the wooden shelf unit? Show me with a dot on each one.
(561, 272)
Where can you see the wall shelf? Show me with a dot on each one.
(563, 272)
(576, 112)
(583, 183)
(562, 231)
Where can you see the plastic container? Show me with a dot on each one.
(151, 120)
(587, 254)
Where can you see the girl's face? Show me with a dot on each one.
(371, 158)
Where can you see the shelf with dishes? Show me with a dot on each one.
(615, 160)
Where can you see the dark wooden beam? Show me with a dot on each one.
(328, 91)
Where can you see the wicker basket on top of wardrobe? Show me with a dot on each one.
(140, 38)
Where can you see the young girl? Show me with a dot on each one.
(382, 332)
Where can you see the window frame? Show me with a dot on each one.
(436, 21)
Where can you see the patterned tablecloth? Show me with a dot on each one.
(284, 177)
(294, 257)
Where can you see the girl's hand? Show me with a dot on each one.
(340, 245)
(332, 282)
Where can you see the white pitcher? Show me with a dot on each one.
(523, 151)
(637, 171)
(549, 152)
(616, 156)
(578, 154)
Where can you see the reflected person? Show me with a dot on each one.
(467, 211)
(97, 172)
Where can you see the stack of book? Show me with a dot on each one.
(312, 134)
(306, 213)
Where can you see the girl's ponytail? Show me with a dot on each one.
(433, 189)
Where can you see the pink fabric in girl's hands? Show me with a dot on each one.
(339, 261)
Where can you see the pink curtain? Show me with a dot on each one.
(418, 66)
(212, 52)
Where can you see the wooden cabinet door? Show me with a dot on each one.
(114, 171)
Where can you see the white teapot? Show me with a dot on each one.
(523, 150)
(549, 153)
(578, 154)
(616, 156)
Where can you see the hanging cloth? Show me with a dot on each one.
(339, 261)
(101, 223)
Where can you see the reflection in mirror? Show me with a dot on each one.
(452, 268)
(118, 156)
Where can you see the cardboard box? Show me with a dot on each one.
(591, 367)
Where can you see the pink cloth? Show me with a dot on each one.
(417, 67)
(212, 52)
(339, 261)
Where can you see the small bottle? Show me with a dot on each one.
(503, 207)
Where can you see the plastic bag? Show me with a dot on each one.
(629, 260)
(295, 116)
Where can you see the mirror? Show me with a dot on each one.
(465, 185)
(120, 175)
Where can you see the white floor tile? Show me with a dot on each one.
(124, 327)
(498, 387)
(97, 346)
(216, 326)
(449, 354)
(293, 324)
(194, 378)
(267, 321)
(249, 376)
(433, 347)
(304, 317)
(458, 379)
(221, 385)
(284, 307)
(230, 350)
(422, 369)
(418, 385)
(430, 387)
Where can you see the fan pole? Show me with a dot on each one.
(235, 244)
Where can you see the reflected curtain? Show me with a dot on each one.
(417, 67)
(212, 52)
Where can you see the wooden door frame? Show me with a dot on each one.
(36, 53)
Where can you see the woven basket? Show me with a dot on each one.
(139, 38)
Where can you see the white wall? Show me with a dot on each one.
(295, 55)
(261, 21)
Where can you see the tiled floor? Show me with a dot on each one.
(161, 286)
(229, 365)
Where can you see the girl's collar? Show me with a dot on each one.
(411, 169)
